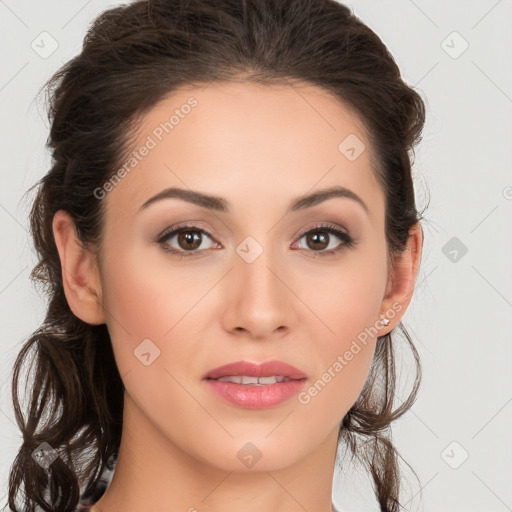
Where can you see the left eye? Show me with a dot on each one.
(320, 235)
(321, 239)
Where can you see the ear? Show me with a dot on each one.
(401, 281)
(80, 273)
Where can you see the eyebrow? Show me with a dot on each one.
(220, 204)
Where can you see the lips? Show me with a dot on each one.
(249, 394)
(266, 369)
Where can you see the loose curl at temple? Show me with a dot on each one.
(133, 56)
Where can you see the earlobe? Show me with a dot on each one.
(402, 279)
(80, 275)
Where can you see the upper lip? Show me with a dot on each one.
(265, 369)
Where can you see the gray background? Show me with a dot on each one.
(457, 435)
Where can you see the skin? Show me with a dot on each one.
(259, 147)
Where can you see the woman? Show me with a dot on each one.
(228, 236)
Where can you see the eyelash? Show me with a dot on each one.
(348, 241)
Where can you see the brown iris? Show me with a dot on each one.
(313, 239)
(189, 237)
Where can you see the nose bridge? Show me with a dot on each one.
(259, 301)
(254, 268)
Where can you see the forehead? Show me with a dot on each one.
(242, 140)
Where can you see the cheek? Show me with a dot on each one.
(348, 304)
(344, 363)
(331, 394)
(146, 301)
(347, 298)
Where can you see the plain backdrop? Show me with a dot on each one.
(457, 54)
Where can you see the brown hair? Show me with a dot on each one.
(133, 56)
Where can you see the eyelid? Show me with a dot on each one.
(194, 225)
(319, 225)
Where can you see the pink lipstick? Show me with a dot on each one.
(255, 386)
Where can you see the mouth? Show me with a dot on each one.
(251, 386)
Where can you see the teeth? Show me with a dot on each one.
(255, 381)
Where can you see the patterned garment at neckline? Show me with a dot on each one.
(87, 500)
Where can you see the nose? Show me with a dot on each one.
(259, 300)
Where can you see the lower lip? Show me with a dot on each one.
(255, 397)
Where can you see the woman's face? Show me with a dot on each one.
(248, 283)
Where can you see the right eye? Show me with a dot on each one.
(189, 239)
